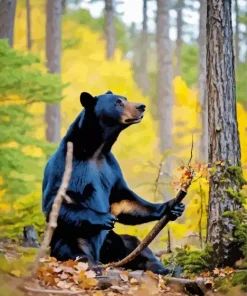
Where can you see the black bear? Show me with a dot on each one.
(98, 190)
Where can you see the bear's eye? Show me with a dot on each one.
(119, 103)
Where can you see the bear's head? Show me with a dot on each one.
(112, 110)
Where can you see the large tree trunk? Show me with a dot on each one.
(179, 41)
(224, 145)
(7, 19)
(53, 54)
(203, 149)
(164, 80)
(110, 29)
(29, 38)
(237, 33)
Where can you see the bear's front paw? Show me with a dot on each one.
(177, 211)
(108, 221)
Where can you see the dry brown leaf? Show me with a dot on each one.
(119, 289)
(70, 263)
(58, 269)
(134, 281)
(81, 266)
(216, 271)
(88, 284)
(161, 284)
(124, 276)
(61, 284)
(205, 274)
(151, 274)
(64, 276)
(68, 270)
(90, 274)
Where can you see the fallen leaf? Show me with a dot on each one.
(90, 274)
(124, 276)
(16, 273)
(64, 276)
(118, 289)
(58, 269)
(134, 281)
(70, 263)
(82, 266)
(151, 274)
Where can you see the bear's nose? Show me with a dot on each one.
(141, 107)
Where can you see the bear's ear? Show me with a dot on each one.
(87, 100)
(109, 92)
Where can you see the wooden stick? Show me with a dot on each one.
(151, 235)
(61, 194)
(51, 291)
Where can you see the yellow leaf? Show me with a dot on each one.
(16, 272)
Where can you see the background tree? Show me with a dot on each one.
(53, 55)
(203, 148)
(141, 68)
(164, 89)
(29, 35)
(110, 29)
(224, 147)
(7, 19)
(179, 41)
(164, 78)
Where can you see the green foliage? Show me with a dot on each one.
(195, 261)
(240, 278)
(22, 83)
(239, 219)
(236, 172)
(83, 17)
(20, 76)
(189, 64)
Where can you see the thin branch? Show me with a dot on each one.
(156, 182)
(61, 194)
(151, 235)
(51, 291)
(158, 226)
(191, 151)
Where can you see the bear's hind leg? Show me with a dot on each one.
(146, 260)
(71, 248)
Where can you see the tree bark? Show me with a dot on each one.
(237, 50)
(110, 29)
(29, 38)
(224, 143)
(144, 77)
(179, 41)
(203, 149)
(7, 19)
(164, 80)
(53, 54)
(30, 239)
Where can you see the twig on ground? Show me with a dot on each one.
(61, 194)
(51, 291)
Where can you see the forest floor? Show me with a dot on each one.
(73, 278)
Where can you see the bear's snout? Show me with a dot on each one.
(141, 107)
(132, 112)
